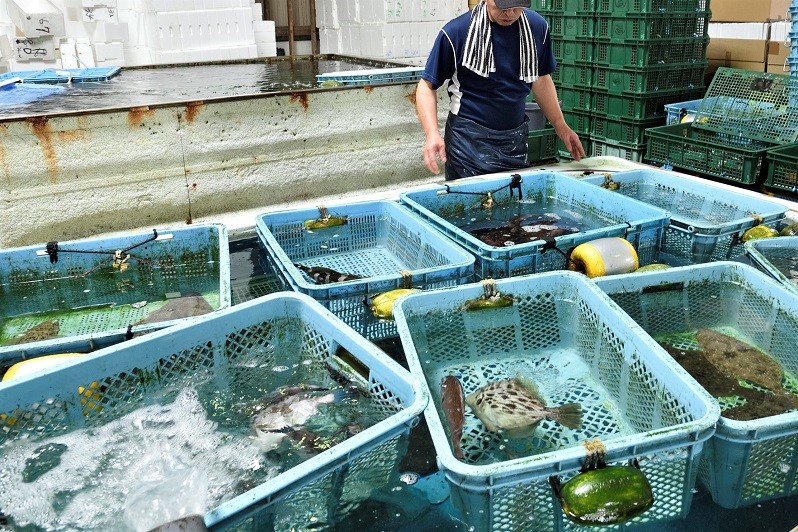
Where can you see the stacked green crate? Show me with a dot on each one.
(621, 62)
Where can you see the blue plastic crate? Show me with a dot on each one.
(746, 461)
(222, 362)
(567, 337)
(706, 221)
(386, 244)
(777, 257)
(13, 92)
(373, 76)
(65, 75)
(79, 297)
(642, 225)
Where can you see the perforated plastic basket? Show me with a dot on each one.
(746, 461)
(783, 168)
(379, 241)
(642, 225)
(567, 337)
(706, 221)
(76, 294)
(752, 105)
(777, 257)
(238, 353)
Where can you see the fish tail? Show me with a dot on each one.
(350, 392)
(569, 415)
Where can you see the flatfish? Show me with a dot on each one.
(181, 307)
(740, 360)
(514, 406)
(43, 331)
(453, 404)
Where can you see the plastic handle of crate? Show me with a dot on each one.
(167, 236)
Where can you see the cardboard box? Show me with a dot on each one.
(738, 50)
(749, 10)
(778, 52)
(714, 64)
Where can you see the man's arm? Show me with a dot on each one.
(427, 109)
(546, 97)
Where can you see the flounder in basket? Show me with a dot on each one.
(514, 406)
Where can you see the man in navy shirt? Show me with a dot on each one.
(491, 56)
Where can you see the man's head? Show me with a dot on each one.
(506, 12)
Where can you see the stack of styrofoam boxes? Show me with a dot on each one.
(384, 29)
(6, 54)
(39, 26)
(95, 35)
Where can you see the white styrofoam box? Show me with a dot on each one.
(350, 38)
(267, 49)
(35, 48)
(69, 57)
(109, 51)
(327, 14)
(17, 64)
(112, 63)
(348, 11)
(779, 31)
(257, 11)
(738, 30)
(138, 56)
(101, 13)
(128, 5)
(36, 18)
(85, 53)
(330, 40)
(265, 31)
(141, 28)
(5, 48)
(206, 29)
(98, 3)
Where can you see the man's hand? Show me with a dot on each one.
(434, 149)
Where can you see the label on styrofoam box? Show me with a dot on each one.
(35, 48)
(742, 30)
(99, 14)
(36, 18)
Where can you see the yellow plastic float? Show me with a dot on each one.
(89, 397)
(604, 256)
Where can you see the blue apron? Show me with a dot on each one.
(472, 149)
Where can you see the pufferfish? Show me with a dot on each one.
(285, 411)
(514, 406)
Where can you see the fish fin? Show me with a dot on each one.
(350, 392)
(531, 387)
(569, 415)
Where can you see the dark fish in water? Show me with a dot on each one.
(322, 275)
(515, 406)
(758, 404)
(519, 229)
(284, 411)
(43, 331)
(484, 225)
(740, 360)
(181, 307)
(453, 404)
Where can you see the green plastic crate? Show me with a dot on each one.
(542, 145)
(605, 148)
(627, 132)
(573, 50)
(565, 6)
(570, 26)
(622, 7)
(579, 121)
(783, 168)
(573, 75)
(576, 98)
(642, 54)
(685, 77)
(651, 27)
(706, 152)
(638, 106)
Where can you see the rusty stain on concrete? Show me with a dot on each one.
(41, 128)
(412, 98)
(368, 89)
(136, 115)
(73, 135)
(4, 165)
(301, 97)
(193, 110)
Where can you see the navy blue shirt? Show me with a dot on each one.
(496, 102)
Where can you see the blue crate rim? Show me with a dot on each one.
(622, 448)
(297, 279)
(775, 213)
(730, 429)
(315, 466)
(90, 340)
(484, 250)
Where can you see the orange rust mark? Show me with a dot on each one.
(301, 97)
(193, 110)
(368, 89)
(43, 131)
(136, 115)
(412, 98)
(71, 136)
(4, 164)
(83, 122)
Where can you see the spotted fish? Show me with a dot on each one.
(322, 275)
(514, 406)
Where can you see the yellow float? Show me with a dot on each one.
(604, 256)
